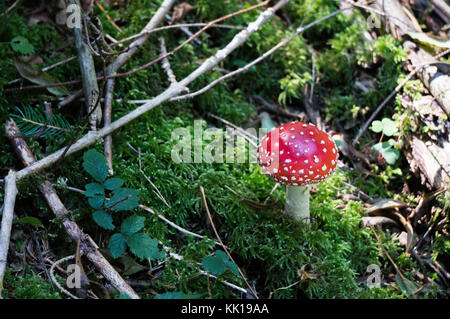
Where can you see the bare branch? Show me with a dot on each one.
(7, 218)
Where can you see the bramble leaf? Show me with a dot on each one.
(219, 263)
(96, 201)
(144, 247)
(117, 245)
(103, 219)
(123, 199)
(95, 164)
(132, 225)
(113, 183)
(93, 189)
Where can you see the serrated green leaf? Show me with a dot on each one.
(113, 183)
(389, 127)
(93, 189)
(96, 201)
(376, 126)
(103, 219)
(219, 263)
(143, 246)
(117, 245)
(30, 220)
(389, 153)
(22, 45)
(123, 199)
(132, 225)
(95, 164)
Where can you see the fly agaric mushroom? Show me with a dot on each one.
(297, 154)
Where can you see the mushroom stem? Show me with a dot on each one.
(297, 202)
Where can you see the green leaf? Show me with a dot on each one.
(93, 189)
(95, 164)
(124, 296)
(30, 220)
(376, 127)
(406, 285)
(177, 295)
(103, 219)
(132, 225)
(389, 127)
(130, 265)
(96, 201)
(22, 45)
(219, 263)
(117, 245)
(123, 199)
(143, 246)
(113, 183)
(389, 153)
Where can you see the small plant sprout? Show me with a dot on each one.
(297, 154)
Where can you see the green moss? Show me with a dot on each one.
(30, 286)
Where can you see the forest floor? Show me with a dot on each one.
(141, 223)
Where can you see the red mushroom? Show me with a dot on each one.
(297, 154)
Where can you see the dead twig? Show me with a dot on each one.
(7, 218)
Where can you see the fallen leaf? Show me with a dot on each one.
(33, 73)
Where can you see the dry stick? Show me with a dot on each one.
(223, 245)
(175, 26)
(87, 245)
(208, 25)
(7, 218)
(107, 115)
(165, 62)
(88, 75)
(116, 65)
(259, 59)
(124, 57)
(396, 90)
(175, 89)
(53, 278)
(170, 223)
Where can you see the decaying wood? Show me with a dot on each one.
(432, 160)
(7, 218)
(87, 246)
(435, 81)
(88, 76)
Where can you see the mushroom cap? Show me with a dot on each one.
(297, 154)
